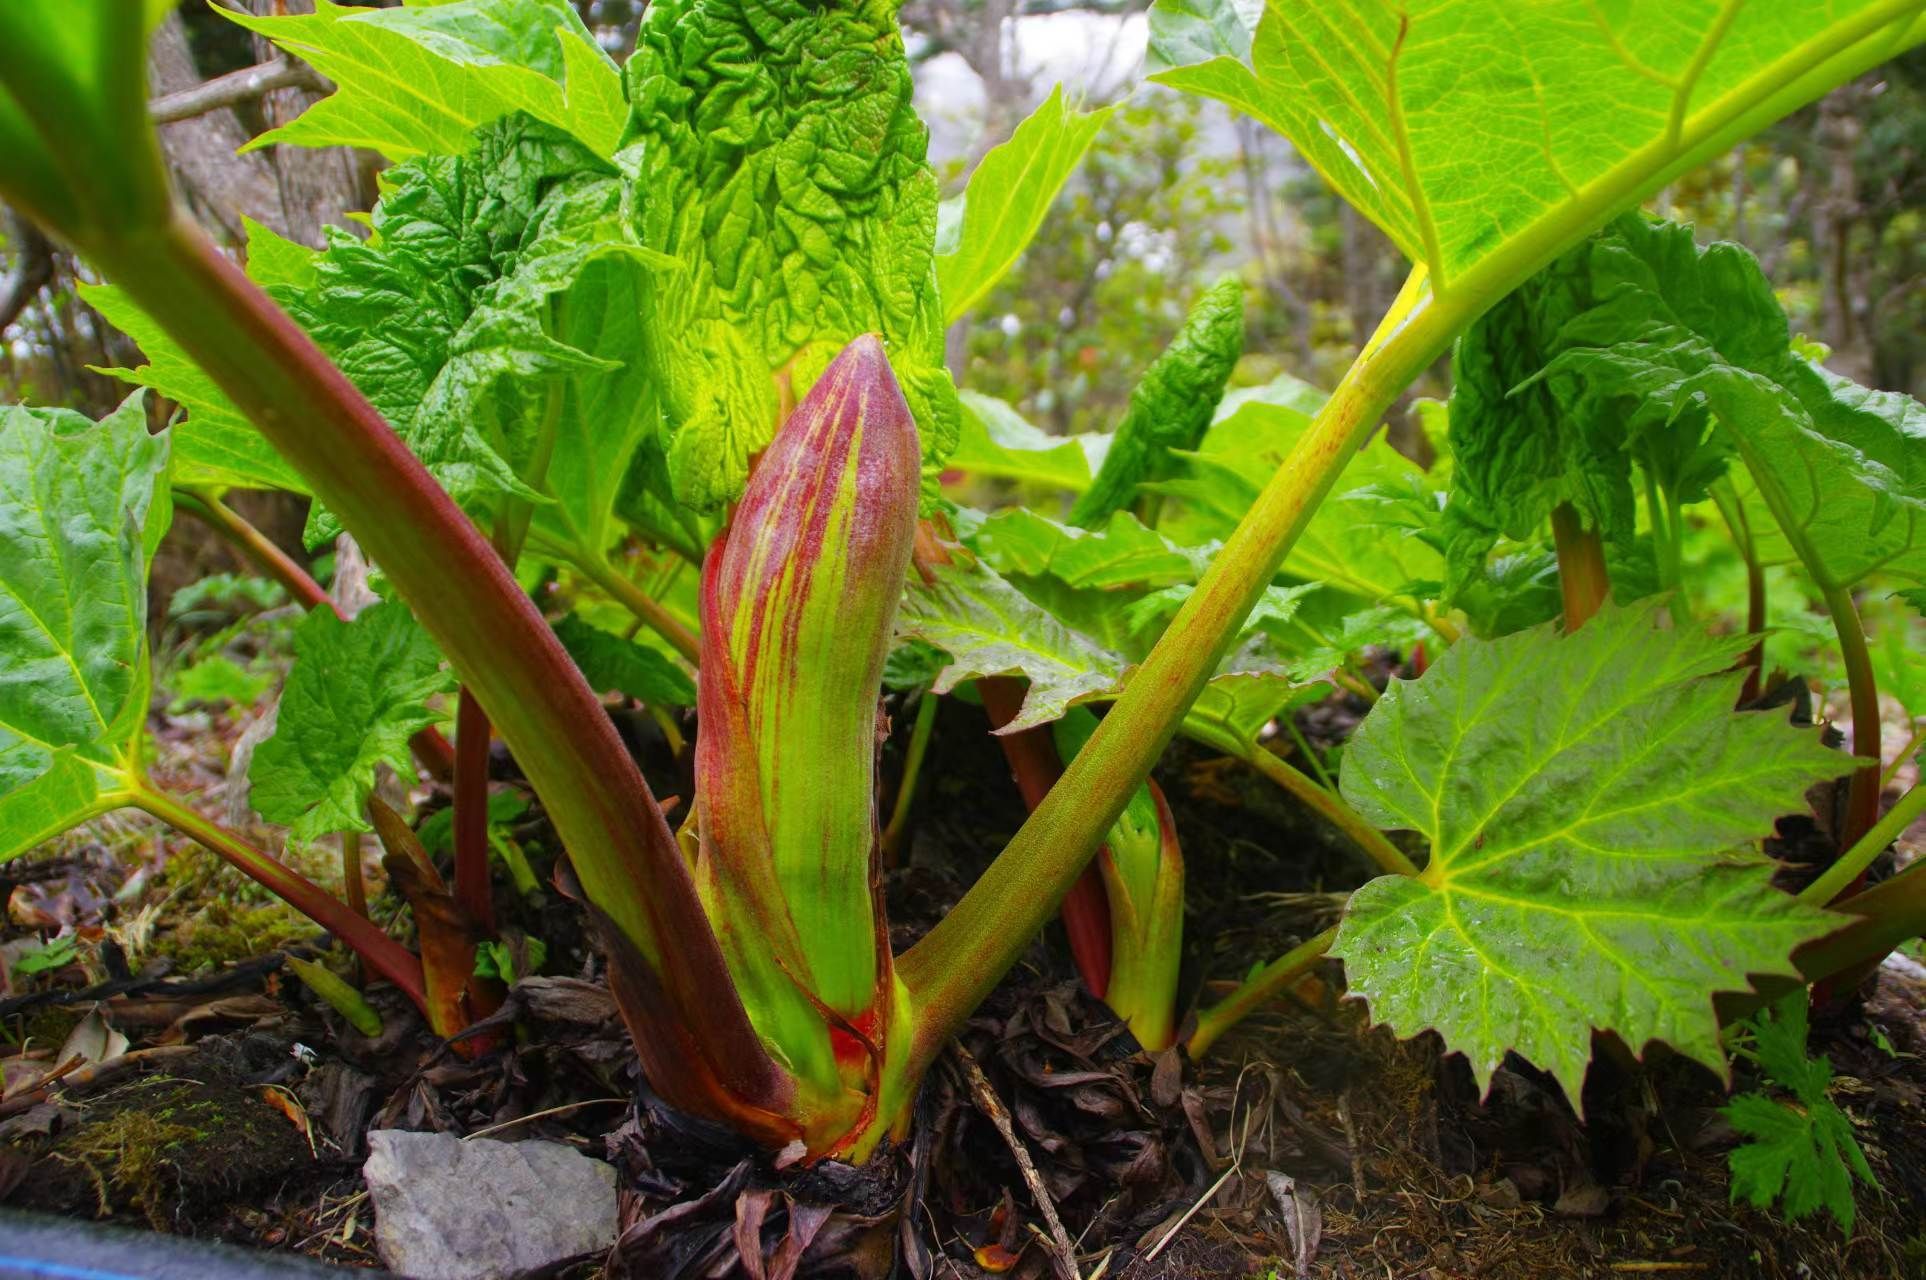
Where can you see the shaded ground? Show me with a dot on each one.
(237, 1108)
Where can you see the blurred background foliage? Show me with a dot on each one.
(1174, 193)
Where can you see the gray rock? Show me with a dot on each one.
(452, 1210)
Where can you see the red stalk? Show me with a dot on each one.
(1033, 759)
(1582, 579)
(473, 884)
(500, 645)
(380, 952)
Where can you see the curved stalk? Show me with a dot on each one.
(919, 745)
(1376, 846)
(380, 952)
(1255, 991)
(598, 570)
(1852, 864)
(1862, 801)
(696, 1035)
(960, 960)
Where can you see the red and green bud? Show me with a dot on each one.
(799, 600)
(1142, 868)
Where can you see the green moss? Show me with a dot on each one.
(134, 1156)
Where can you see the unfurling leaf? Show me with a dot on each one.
(1009, 194)
(81, 507)
(1588, 801)
(1172, 406)
(798, 600)
(996, 441)
(1674, 332)
(784, 170)
(358, 691)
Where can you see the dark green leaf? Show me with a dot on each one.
(1172, 406)
(358, 691)
(610, 662)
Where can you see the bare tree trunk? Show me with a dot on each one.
(218, 184)
(1833, 224)
(317, 185)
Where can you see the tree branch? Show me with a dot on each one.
(237, 87)
(32, 273)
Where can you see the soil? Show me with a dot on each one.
(1307, 1145)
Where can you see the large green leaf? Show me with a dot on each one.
(419, 79)
(214, 444)
(1674, 331)
(1590, 802)
(79, 515)
(1464, 126)
(358, 691)
(1008, 196)
(1344, 547)
(995, 440)
(989, 628)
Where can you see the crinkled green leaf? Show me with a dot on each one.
(437, 830)
(1171, 407)
(989, 628)
(1464, 126)
(1805, 1152)
(1011, 190)
(1589, 801)
(358, 691)
(215, 444)
(445, 318)
(1343, 546)
(996, 441)
(784, 169)
(418, 79)
(610, 662)
(1677, 331)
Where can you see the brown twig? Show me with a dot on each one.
(1062, 1253)
(237, 87)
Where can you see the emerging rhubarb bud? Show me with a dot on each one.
(799, 599)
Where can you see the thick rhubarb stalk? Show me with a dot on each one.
(499, 644)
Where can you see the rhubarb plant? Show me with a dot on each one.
(612, 327)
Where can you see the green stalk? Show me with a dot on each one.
(1862, 801)
(1852, 864)
(597, 569)
(499, 643)
(1389, 858)
(1255, 991)
(919, 745)
(1733, 512)
(381, 953)
(959, 961)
